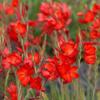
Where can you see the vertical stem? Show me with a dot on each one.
(6, 82)
(95, 80)
(62, 90)
(43, 46)
(19, 89)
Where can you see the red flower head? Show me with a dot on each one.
(15, 3)
(21, 28)
(67, 73)
(16, 29)
(94, 29)
(12, 32)
(89, 53)
(87, 17)
(96, 8)
(49, 70)
(36, 83)
(69, 48)
(12, 90)
(11, 59)
(25, 73)
(36, 58)
(9, 10)
(94, 34)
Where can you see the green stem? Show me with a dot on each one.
(19, 89)
(6, 82)
(63, 91)
(28, 94)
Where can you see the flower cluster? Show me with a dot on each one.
(24, 55)
(92, 17)
(57, 17)
(61, 65)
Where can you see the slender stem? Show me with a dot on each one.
(28, 94)
(6, 82)
(95, 80)
(43, 46)
(62, 91)
(19, 89)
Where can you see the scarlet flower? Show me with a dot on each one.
(12, 32)
(11, 59)
(49, 70)
(67, 72)
(32, 23)
(16, 29)
(90, 59)
(12, 90)
(21, 28)
(36, 58)
(69, 48)
(25, 73)
(66, 59)
(91, 17)
(15, 3)
(36, 83)
(89, 53)
(89, 49)
(87, 17)
(5, 52)
(94, 34)
(9, 10)
(96, 8)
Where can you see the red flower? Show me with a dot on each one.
(90, 59)
(69, 48)
(16, 29)
(11, 59)
(67, 73)
(36, 83)
(32, 23)
(87, 17)
(21, 28)
(5, 52)
(24, 74)
(89, 53)
(65, 59)
(89, 49)
(36, 58)
(49, 70)
(96, 8)
(94, 34)
(12, 32)
(15, 3)
(9, 10)
(12, 90)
